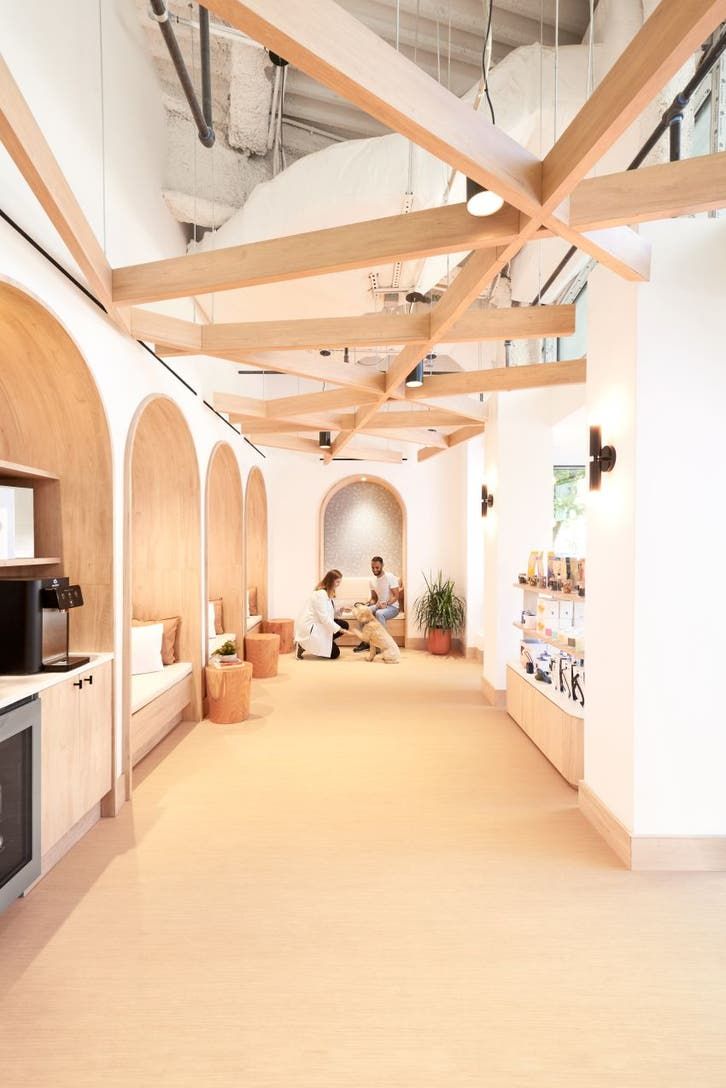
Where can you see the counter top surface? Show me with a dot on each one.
(13, 688)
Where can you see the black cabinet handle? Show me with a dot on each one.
(88, 679)
(77, 683)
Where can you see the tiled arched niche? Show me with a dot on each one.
(360, 519)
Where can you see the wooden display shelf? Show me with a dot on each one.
(558, 730)
(37, 561)
(11, 471)
(532, 631)
(568, 706)
(553, 593)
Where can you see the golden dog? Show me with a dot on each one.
(375, 634)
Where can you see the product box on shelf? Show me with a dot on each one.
(548, 617)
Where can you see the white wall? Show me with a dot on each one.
(680, 737)
(609, 621)
(655, 744)
(520, 453)
(89, 82)
(434, 496)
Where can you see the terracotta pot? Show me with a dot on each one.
(439, 641)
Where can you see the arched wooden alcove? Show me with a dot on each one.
(256, 543)
(361, 517)
(225, 541)
(52, 418)
(163, 560)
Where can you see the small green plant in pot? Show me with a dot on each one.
(439, 613)
(227, 651)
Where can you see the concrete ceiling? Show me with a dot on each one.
(445, 37)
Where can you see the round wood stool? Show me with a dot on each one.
(228, 692)
(261, 651)
(283, 628)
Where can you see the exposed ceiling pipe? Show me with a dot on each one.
(160, 13)
(206, 67)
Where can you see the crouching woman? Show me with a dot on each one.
(317, 628)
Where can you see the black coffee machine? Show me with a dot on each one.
(34, 625)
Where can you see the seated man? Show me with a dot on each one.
(385, 591)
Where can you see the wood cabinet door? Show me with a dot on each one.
(76, 751)
(59, 741)
(92, 772)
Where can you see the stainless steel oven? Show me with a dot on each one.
(19, 798)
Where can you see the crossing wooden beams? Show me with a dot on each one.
(661, 47)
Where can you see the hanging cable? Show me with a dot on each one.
(485, 63)
(590, 48)
(103, 123)
(557, 66)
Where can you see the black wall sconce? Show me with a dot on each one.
(487, 501)
(602, 458)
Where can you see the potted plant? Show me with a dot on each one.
(226, 653)
(439, 613)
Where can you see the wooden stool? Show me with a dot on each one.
(261, 651)
(283, 628)
(228, 691)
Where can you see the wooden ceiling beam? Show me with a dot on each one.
(337, 50)
(383, 329)
(373, 242)
(396, 421)
(418, 437)
(464, 434)
(668, 189)
(303, 365)
(311, 403)
(667, 39)
(502, 379)
(164, 331)
(29, 150)
(233, 404)
(310, 445)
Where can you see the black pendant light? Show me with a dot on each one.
(324, 440)
(481, 201)
(416, 378)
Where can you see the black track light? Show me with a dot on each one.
(324, 440)
(416, 378)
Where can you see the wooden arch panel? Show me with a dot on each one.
(256, 538)
(225, 538)
(52, 418)
(164, 527)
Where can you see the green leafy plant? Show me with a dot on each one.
(227, 649)
(439, 606)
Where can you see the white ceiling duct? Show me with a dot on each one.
(368, 179)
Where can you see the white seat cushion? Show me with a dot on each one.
(252, 621)
(148, 686)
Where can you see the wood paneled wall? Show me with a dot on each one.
(164, 528)
(225, 538)
(52, 418)
(256, 538)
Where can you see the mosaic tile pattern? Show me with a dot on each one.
(361, 520)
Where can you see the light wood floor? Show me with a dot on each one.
(376, 882)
